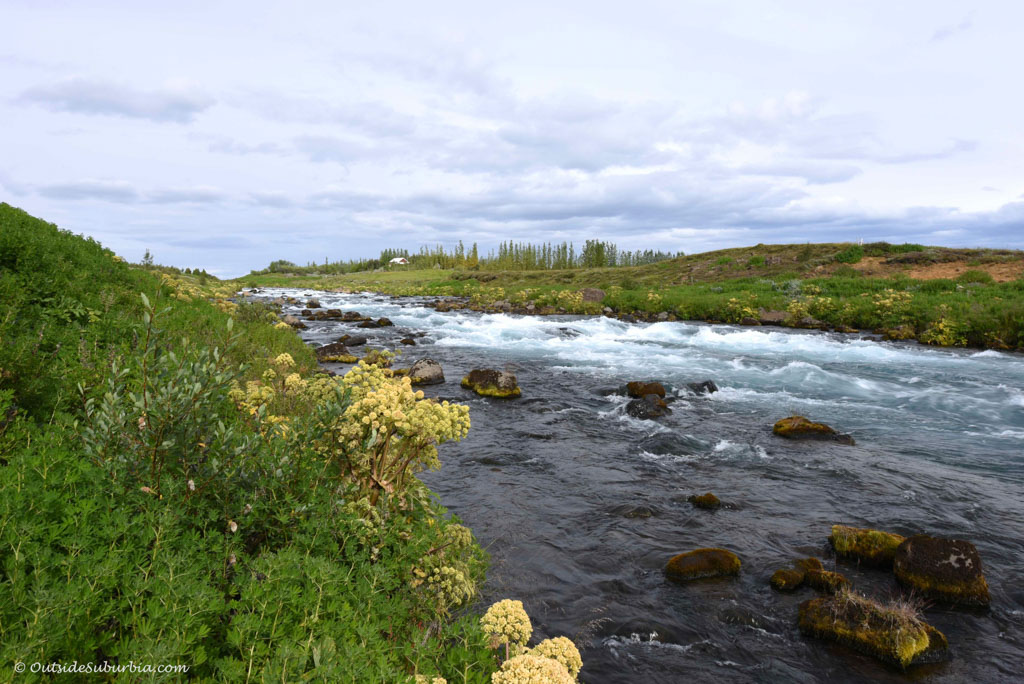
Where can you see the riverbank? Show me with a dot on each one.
(181, 488)
(961, 299)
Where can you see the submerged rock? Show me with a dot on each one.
(651, 406)
(798, 427)
(426, 372)
(407, 341)
(492, 383)
(894, 634)
(808, 564)
(787, 579)
(871, 547)
(706, 387)
(945, 569)
(640, 389)
(707, 501)
(702, 563)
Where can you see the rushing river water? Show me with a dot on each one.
(581, 506)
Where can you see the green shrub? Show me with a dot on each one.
(976, 277)
(756, 260)
(850, 255)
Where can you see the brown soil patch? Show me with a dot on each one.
(875, 267)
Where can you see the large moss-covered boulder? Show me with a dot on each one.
(492, 383)
(949, 570)
(702, 563)
(798, 427)
(892, 633)
(640, 389)
(426, 372)
(871, 547)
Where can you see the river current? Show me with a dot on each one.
(581, 506)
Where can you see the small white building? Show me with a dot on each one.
(402, 261)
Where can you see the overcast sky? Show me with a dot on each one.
(224, 135)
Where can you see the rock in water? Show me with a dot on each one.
(702, 563)
(426, 372)
(313, 304)
(871, 547)
(651, 406)
(294, 321)
(787, 579)
(798, 427)
(384, 322)
(945, 569)
(335, 352)
(640, 389)
(825, 581)
(706, 387)
(707, 501)
(894, 634)
(407, 341)
(492, 383)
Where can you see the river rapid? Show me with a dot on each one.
(581, 506)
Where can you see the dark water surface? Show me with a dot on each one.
(557, 484)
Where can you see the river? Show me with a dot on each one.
(581, 506)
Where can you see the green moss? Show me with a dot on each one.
(492, 391)
(707, 501)
(808, 564)
(341, 358)
(491, 383)
(800, 426)
(826, 581)
(892, 634)
(702, 563)
(872, 547)
(787, 579)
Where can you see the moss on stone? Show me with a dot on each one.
(799, 427)
(894, 633)
(492, 383)
(340, 358)
(948, 570)
(872, 547)
(787, 579)
(826, 581)
(702, 563)
(808, 564)
(707, 501)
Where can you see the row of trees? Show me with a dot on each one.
(509, 256)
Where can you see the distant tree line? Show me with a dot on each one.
(509, 256)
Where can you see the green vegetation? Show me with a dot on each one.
(850, 255)
(178, 486)
(808, 284)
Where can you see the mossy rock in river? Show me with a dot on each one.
(893, 634)
(640, 389)
(826, 581)
(708, 502)
(808, 564)
(492, 383)
(787, 579)
(872, 547)
(949, 570)
(702, 563)
(798, 427)
(335, 352)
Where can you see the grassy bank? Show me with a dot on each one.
(941, 296)
(179, 487)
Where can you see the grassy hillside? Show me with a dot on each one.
(937, 295)
(178, 487)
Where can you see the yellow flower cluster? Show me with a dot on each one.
(563, 650)
(891, 306)
(737, 310)
(654, 298)
(523, 296)
(423, 679)
(284, 361)
(531, 669)
(451, 586)
(507, 623)
(458, 536)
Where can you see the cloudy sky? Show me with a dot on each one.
(226, 134)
